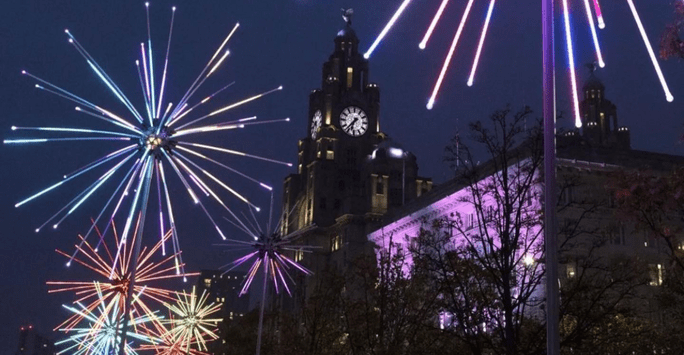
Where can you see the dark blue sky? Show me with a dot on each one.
(279, 42)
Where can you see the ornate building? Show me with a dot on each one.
(349, 174)
(586, 159)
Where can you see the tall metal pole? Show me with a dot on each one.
(263, 305)
(550, 240)
(136, 253)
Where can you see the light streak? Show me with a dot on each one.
(166, 63)
(182, 113)
(148, 85)
(153, 100)
(218, 63)
(431, 102)
(597, 47)
(649, 48)
(231, 106)
(384, 31)
(599, 15)
(235, 152)
(482, 39)
(434, 22)
(76, 130)
(571, 63)
(103, 75)
(44, 140)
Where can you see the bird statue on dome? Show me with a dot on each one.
(347, 15)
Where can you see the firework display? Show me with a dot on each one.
(483, 34)
(267, 251)
(99, 330)
(147, 146)
(108, 288)
(190, 322)
(154, 143)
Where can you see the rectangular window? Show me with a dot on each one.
(330, 154)
(207, 283)
(380, 187)
(350, 76)
(299, 255)
(336, 243)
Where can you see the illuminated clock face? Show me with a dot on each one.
(354, 121)
(316, 122)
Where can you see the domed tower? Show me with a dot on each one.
(345, 181)
(599, 117)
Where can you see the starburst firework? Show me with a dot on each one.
(148, 272)
(190, 322)
(590, 15)
(154, 141)
(99, 331)
(267, 250)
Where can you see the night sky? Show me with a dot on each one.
(280, 42)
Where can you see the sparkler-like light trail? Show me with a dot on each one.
(482, 39)
(434, 22)
(568, 30)
(156, 143)
(190, 322)
(268, 248)
(389, 25)
(571, 62)
(149, 273)
(594, 35)
(649, 48)
(100, 334)
(457, 36)
(599, 14)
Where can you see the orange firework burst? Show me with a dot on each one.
(104, 264)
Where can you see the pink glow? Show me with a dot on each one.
(457, 207)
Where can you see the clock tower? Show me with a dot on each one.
(346, 180)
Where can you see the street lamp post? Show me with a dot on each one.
(550, 241)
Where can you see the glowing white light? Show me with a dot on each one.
(668, 95)
(599, 15)
(597, 47)
(384, 31)
(266, 186)
(482, 39)
(431, 102)
(434, 22)
(396, 152)
(528, 260)
(571, 60)
(219, 62)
